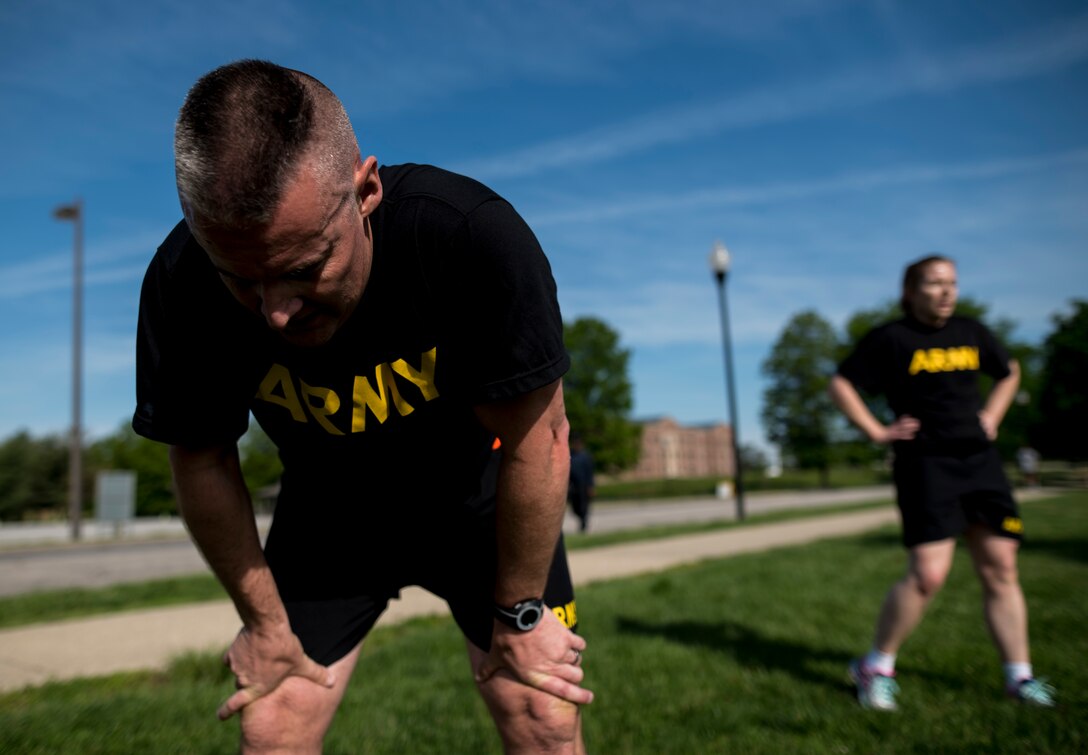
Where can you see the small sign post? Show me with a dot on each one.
(115, 497)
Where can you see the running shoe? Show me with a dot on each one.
(1033, 692)
(875, 691)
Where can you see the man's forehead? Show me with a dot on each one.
(337, 200)
(298, 222)
(304, 215)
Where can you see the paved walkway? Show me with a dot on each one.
(35, 557)
(149, 639)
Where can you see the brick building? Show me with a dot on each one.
(670, 449)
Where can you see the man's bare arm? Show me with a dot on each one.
(217, 510)
(532, 493)
(532, 498)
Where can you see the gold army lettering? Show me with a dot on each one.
(944, 360)
(1013, 524)
(320, 404)
(567, 614)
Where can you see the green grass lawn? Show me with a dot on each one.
(745, 654)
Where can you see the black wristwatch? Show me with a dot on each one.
(524, 615)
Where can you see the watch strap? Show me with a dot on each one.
(523, 615)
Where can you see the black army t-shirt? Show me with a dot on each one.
(931, 374)
(460, 309)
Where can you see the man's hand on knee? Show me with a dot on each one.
(547, 657)
(262, 660)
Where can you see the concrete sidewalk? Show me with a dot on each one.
(36, 557)
(149, 639)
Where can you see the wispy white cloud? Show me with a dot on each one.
(37, 382)
(47, 45)
(114, 260)
(672, 313)
(654, 306)
(536, 42)
(38, 275)
(856, 181)
(112, 356)
(1038, 51)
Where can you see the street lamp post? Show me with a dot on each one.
(719, 265)
(74, 213)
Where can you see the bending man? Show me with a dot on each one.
(389, 328)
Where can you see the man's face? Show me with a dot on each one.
(934, 299)
(304, 272)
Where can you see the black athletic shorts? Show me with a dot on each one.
(939, 496)
(335, 586)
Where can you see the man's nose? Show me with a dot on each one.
(278, 305)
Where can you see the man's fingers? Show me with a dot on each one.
(313, 671)
(317, 673)
(564, 690)
(236, 702)
(570, 673)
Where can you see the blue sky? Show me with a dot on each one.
(827, 143)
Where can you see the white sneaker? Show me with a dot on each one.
(875, 691)
(1033, 692)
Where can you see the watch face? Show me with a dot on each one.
(529, 615)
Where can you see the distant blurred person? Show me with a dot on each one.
(948, 475)
(581, 491)
(1027, 461)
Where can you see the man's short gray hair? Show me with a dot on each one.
(243, 132)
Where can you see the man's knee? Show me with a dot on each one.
(269, 737)
(273, 725)
(529, 720)
(292, 719)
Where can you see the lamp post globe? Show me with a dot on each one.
(719, 260)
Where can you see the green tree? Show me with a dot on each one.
(150, 461)
(798, 414)
(261, 463)
(752, 458)
(598, 393)
(1063, 388)
(33, 475)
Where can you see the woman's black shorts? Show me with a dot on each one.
(939, 496)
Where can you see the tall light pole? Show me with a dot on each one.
(719, 265)
(74, 212)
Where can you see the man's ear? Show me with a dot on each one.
(368, 184)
